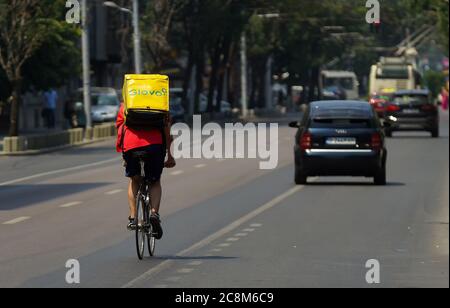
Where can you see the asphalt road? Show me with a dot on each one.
(227, 223)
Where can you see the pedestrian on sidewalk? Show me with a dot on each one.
(444, 95)
(49, 110)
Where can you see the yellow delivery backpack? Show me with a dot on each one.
(146, 101)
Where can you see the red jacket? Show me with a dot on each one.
(134, 139)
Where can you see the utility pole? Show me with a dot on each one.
(268, 84)
(137, 38)
(86, 63)
(134, 13)
(244, 75)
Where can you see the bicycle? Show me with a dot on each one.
(144, 229)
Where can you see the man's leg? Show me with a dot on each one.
(156, 193)
(133, 188)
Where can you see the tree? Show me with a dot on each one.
(157, 22)
(25, 27)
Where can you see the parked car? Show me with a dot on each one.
(105, 105)
(412, 110)
(177, 111)
(339, 138)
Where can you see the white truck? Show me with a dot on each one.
(348, 81)
(392, 74)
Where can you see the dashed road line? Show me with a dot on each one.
(185, 270)
(248, 230)
(195, 263)
(16, 220)
(173, 279)
(241, 234)
(233, 239)
(70, 204)
(200, 166)
(113, 192)
(178, 172)
(215, 236)
(35, 176)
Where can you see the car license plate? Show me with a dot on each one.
(341, 141)
(411, 111)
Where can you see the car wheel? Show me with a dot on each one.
(380, 177)
(435, 132)
(300, 177)
(388, 133)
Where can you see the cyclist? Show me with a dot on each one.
(152, 142)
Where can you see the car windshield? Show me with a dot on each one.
(393, 72)
(104, 100)
(346, 83)
(411, 99)
(101, 99)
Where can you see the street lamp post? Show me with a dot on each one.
(86, 63)
(137, 38)
(137, 35)
(244, 75)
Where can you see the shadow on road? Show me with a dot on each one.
(18, 196)
(192, 258)
(353, 184)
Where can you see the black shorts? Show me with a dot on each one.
(154, 163)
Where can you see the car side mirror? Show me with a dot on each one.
(294, 124)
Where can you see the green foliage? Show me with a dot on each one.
(434, 81)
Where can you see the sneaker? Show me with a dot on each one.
(156, 224)
(131, 224)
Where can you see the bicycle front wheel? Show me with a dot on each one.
(140, 221)
(151, 242)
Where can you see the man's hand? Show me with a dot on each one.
(170, 163)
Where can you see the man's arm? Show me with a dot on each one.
(170, 163)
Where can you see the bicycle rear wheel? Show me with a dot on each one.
(140, 221)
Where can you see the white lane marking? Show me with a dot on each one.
(70, 204)
(249, 230)
(233, 239)
(224, 245)
(59, 171)
(213, 237)
(256, 225)
(177, 172)
(185, 270)
(216, 250)
(200, 166)
(195, 263)
(173, 279)
(113, 192)
(241, 234)
(16, 220)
